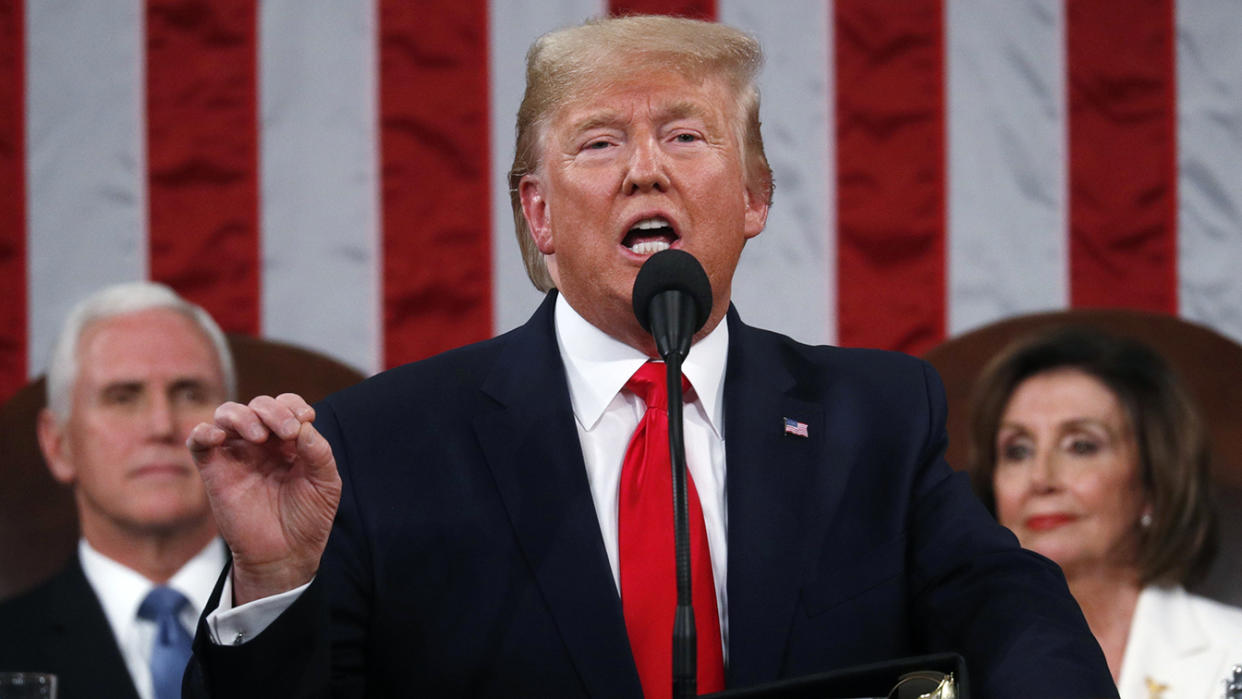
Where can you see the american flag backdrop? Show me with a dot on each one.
(331, 172)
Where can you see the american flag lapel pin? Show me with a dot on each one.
(795, 428)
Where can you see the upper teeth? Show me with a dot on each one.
(650, 223)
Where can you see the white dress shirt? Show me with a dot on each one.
(596, 367)
(121, 590)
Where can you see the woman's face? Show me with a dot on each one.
(1067, 476)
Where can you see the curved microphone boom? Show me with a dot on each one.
(672, 299)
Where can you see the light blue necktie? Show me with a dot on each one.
(172, 643)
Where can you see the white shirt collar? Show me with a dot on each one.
(121, 589)
(598, 365)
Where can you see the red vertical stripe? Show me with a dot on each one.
(435, 176)
(1122, 150)
(890, 173)
(12, 198)
(698, 9)
(202, 150)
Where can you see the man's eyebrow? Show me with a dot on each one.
(605, 118)
(682, 110)
(124, 383)
(597, 120)
(188, 382)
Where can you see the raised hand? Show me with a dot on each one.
(274, 488)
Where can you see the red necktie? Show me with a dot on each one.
(648, 567)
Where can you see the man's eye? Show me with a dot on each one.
(121, 395)
(686, 138)
(597, 145)
(190, 394)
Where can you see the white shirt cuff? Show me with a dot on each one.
(233, 626)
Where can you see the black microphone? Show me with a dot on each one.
(672, 299)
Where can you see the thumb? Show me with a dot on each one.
(316, 454)
(203, 438)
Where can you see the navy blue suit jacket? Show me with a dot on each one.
(467, 560)
(60, 627)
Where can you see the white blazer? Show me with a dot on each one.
(1181, 646)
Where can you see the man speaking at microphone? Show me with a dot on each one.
(497, 520)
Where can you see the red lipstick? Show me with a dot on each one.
(1041, 523)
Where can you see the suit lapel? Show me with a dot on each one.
(80, 630)
(772, 476)
(531, 445)
(1169, 648)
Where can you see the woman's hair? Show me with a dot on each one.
(568, 63)
(1172, 441)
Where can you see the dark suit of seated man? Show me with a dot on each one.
(134, 368)
(474, 524)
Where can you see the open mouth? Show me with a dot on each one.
(649, 236)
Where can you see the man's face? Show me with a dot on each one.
(144, 380)
(646, 163)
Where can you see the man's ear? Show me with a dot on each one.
(538, 216)
(756, 212)
(53, 442)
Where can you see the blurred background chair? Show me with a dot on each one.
(38, 521)
(1209, 364)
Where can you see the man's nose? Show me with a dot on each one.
(161, 417)
(646, 168)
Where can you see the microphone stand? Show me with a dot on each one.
(678, 319)
(685, 682)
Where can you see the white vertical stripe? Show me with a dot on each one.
(1007, 198)
(1007, 150)
(513, 25)
(1209, 80)
(786, 280)
(318, 160)
(86, 163)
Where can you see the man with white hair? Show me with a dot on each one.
(134, 368)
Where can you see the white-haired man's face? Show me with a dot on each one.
(144, 380)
